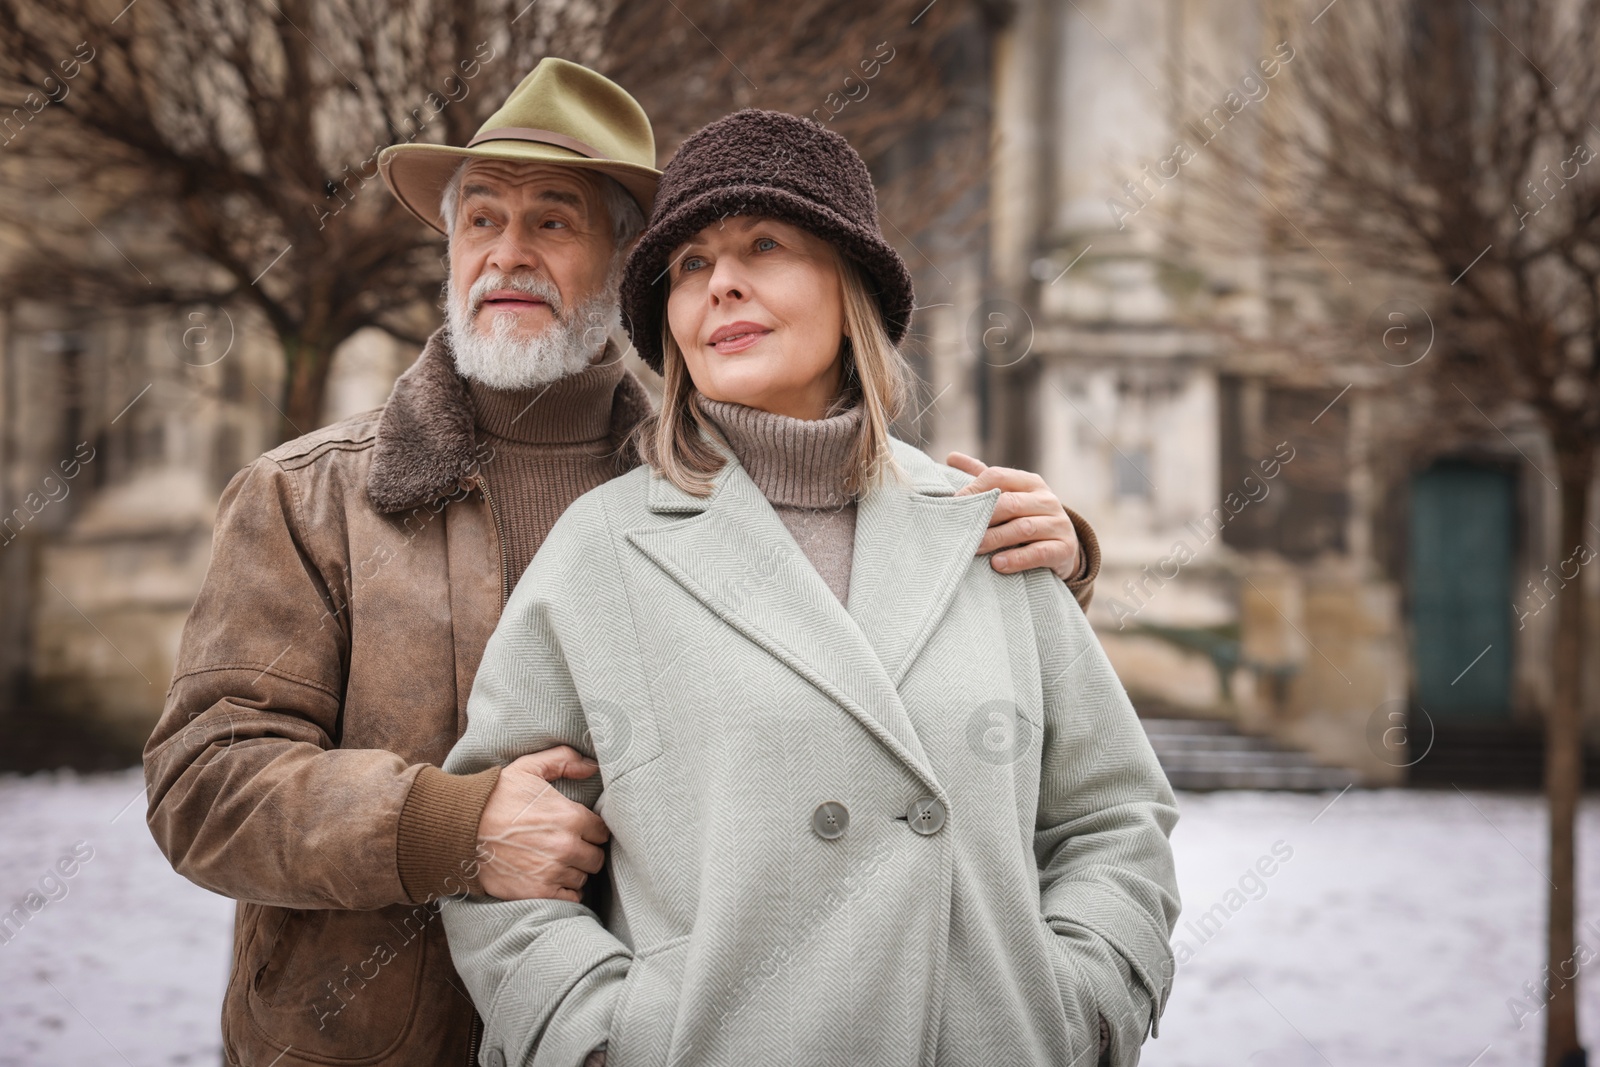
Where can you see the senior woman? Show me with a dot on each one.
(871, 802)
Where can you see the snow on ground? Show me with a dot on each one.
(128, 961)
(1394, 932)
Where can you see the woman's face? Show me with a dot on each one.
(757, 307)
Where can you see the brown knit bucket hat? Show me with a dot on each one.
(779, 166)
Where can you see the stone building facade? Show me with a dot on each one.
(119, 434)
(1272, 556)
(1268, 559)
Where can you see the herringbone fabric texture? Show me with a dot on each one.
(727, 693)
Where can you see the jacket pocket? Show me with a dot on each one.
(646, 1015)
(341, 986)
(256, 931)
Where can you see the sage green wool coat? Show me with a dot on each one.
(727, 694)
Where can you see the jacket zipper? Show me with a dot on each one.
(505, 572)
(477, 1037)
(476, 1033)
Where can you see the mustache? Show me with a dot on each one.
(532, 284)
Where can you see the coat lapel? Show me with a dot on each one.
(732, 553)
(913, 544)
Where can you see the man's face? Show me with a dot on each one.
(532, 286)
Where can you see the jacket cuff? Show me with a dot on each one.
(438, 837)
(1081, 585)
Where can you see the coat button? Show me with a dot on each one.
(495, 1058)
(926, 815)
(830, 819)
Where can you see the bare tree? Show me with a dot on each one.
(869, 72)
(237, 142)
(1450, 149)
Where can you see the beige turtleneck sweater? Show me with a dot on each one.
(551, 445)
(801, 466)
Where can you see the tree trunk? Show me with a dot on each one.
(1563, 774)
(306, 366)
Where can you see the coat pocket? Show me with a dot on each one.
(341, 985)
(646, 1015)
(1078, 1003)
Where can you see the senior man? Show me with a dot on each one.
(358, 571)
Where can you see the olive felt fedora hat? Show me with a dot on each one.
(561, 114)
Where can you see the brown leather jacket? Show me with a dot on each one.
(355, 578)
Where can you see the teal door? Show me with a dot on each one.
(1462, 519)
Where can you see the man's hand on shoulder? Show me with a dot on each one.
(540, 844)
(1030, 527)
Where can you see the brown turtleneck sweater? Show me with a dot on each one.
(801, 466)
(551, 445)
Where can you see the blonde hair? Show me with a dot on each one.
(677, 440)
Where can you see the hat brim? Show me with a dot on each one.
(418, 173)
(644, 286)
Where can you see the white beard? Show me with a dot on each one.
(501, 359)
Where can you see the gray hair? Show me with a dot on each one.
(627, 218)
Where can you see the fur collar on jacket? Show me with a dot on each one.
(426, 446)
